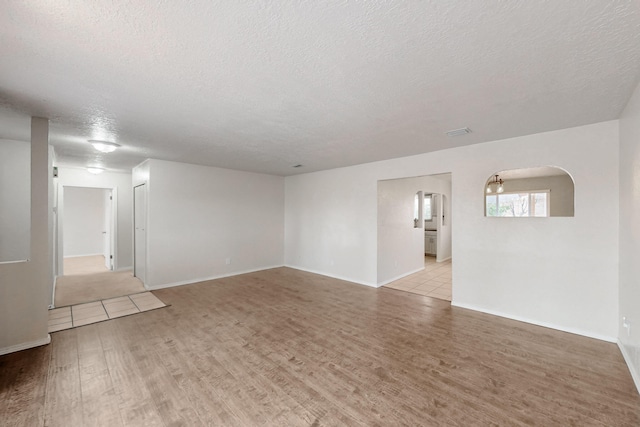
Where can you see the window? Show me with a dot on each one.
(519, 204)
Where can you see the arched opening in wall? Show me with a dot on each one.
(414, 235)
(539, 192)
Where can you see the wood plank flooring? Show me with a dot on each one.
(288, 348)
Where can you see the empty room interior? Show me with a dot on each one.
(320, 213)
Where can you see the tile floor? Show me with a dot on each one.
(84, 314)
(434, 281)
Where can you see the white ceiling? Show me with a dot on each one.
(264, 85)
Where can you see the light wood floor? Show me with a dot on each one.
(287, 348)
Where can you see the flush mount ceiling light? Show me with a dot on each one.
(95, 170)
(458, 132)
(104, 146)
(495, 186)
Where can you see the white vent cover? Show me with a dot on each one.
(458, 132)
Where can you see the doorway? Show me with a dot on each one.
(415, 249)
(87, 230)
(86, 247)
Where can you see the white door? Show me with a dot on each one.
(106, 233)
(140, 233)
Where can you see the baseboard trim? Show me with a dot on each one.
(386, 282)
(124, 268)
(538, 323)
(26, 345)
(79, 256)
(204, 279)
(628, 360)
(443, 260)
(333, 276)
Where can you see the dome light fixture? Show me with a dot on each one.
(495, 185)
(95, 170)
(104, 146)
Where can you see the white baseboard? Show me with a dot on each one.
(629, 360)
(538, 323)
(443, 260)
(79, 256)
(124, 268)
(346, 279)
(386, 282)
(204, 279)
(26, 345)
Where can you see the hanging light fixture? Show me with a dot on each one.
(495, 185)
(104, 146)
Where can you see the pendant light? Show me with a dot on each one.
(495, 185)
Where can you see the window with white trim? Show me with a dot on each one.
(518, 204)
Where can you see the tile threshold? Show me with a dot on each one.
(104, 314)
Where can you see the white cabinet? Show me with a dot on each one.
(430, 242)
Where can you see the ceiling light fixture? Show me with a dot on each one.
(495, 185)
(95, 170)
(458, 132)
(104, 146)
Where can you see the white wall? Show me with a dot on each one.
(199, 217)
(630, 233)
(25, 286)
(559, 272)
(445, 226)
(400, 245)
(15, 199)
(73, 177)
(84, 221)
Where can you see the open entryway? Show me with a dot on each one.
(86, 247)
(414, 235)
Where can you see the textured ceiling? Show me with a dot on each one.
(264, 85)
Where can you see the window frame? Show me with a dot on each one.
(529, 193)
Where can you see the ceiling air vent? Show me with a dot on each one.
(458, 132)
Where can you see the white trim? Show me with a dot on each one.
(627, 358)
(124, 268)
(19, 347)
(347, 279)
(444, 259)
(204, 279)
(79, 256)
(400, 277)
(53, 293)
(15, 262)
(538, 323)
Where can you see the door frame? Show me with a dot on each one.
(146, 228)
(59, 264)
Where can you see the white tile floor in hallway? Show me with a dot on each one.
(434, 281)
